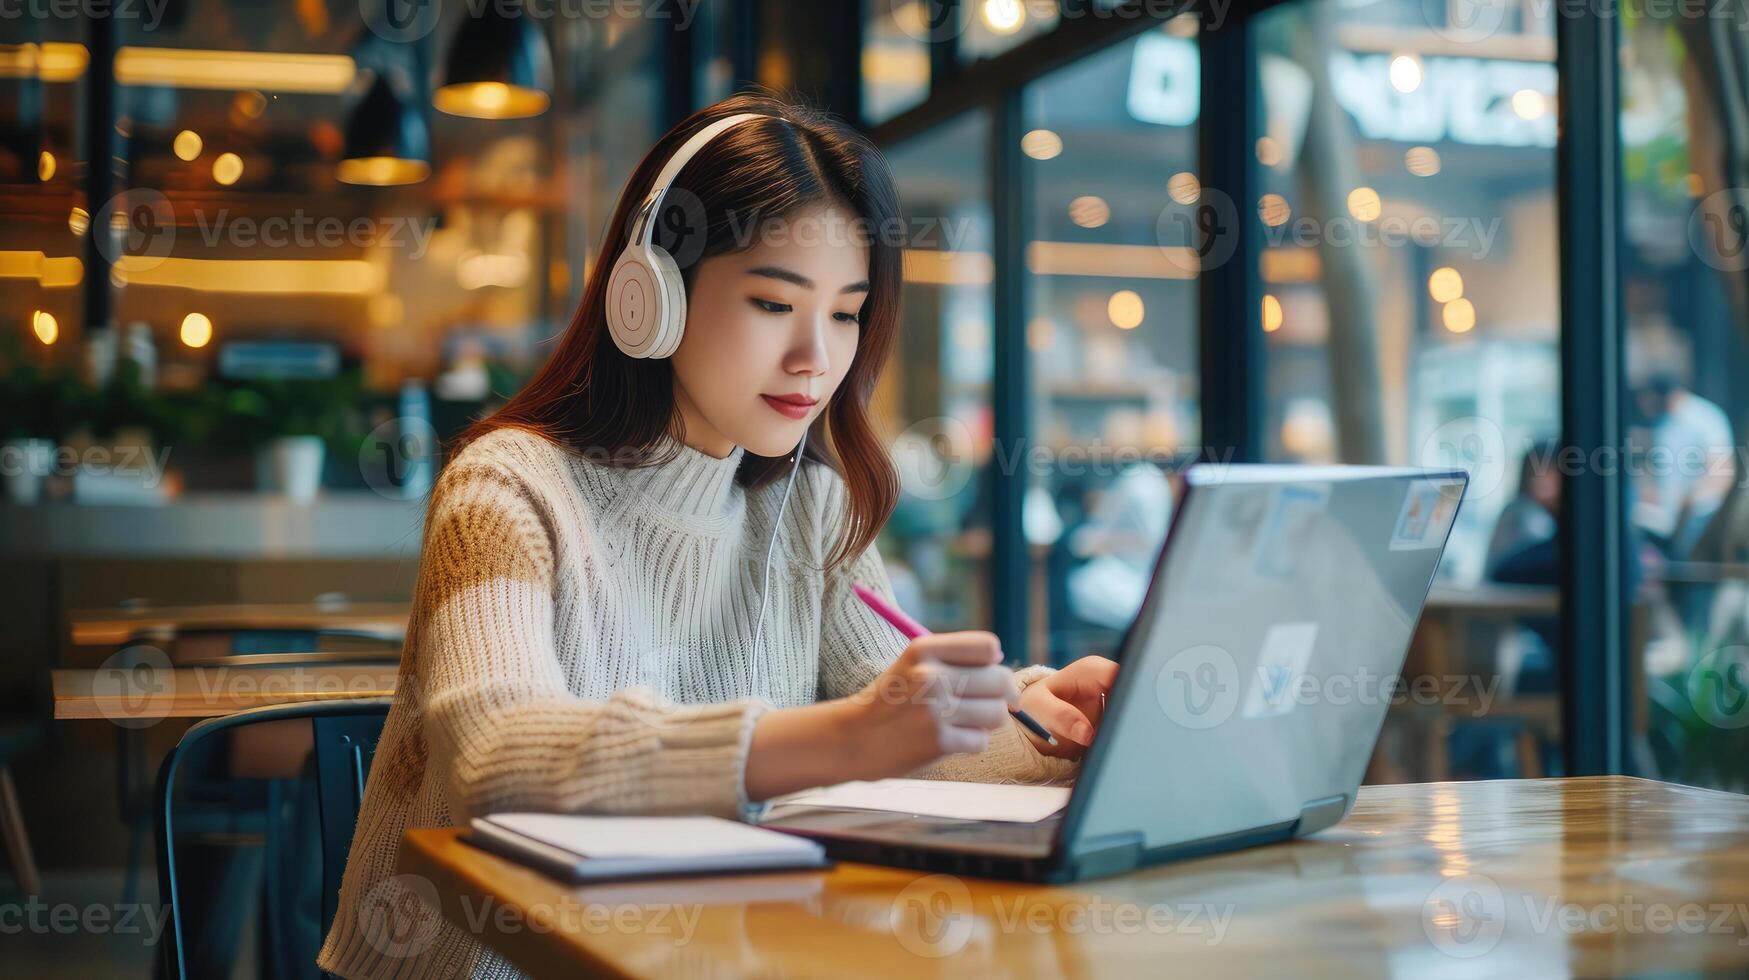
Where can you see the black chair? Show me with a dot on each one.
(17, 739)
(259, 790)
(221, 647)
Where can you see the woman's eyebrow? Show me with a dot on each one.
(796, 278)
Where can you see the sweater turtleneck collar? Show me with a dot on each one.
(692, 484)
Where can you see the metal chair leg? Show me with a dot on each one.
(17, 840)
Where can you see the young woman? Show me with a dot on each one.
(594, 626)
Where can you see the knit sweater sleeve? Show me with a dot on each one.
(499, 719)
(856, 645)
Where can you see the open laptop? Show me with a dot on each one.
(1253, 682)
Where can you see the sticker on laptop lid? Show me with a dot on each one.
(1426, 515)
(1281, 670)
(1292, 509)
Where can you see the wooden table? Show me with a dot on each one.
(153, 692)
(108, 627)
(1589, 877)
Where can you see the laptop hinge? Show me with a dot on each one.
(1321, 813)
(1108, 854)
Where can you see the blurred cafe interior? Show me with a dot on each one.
(260, 262)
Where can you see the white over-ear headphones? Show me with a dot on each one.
(646, 313)
(646, 297)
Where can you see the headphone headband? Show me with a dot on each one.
(645, 228)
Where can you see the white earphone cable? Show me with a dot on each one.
(765, 587)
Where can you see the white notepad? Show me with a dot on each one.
(592, 848)
(1010, 802)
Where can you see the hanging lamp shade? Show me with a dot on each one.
(498, 67)
(387, 141)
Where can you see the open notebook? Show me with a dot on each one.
(594, 848)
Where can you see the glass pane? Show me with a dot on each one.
(935, 396)
(895, 56)
(43, 211)
(1112, 330)
(1411, 316)
(1682, 262)
(285, 321)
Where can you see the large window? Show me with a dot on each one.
(1407, 210)
(896, 35)
(1686, 305)
(1111, 329)
(936, 397)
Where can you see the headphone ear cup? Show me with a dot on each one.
(634, 305)
(672, 286)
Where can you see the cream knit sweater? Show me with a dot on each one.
(580, 641)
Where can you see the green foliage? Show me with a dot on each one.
(36, 401)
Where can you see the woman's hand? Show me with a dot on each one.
(944, 695)
(1070, 703)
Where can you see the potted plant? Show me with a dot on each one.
(295, 422)
(34, 407)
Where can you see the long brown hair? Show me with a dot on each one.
(590, 397)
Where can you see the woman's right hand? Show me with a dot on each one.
(943, 695)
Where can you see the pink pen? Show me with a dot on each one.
(913, 629)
